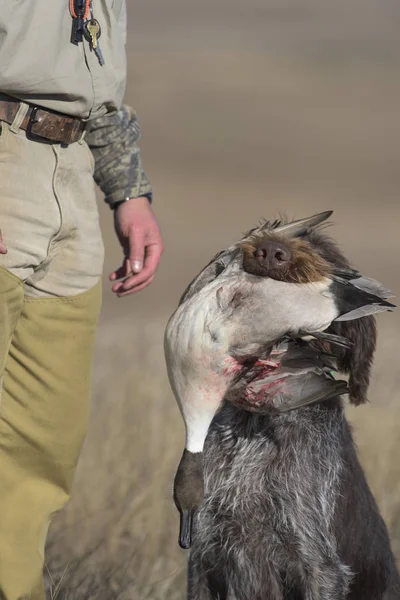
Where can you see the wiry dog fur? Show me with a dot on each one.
(305, 265)
(288, 514)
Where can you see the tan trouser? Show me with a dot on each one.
(49, 305)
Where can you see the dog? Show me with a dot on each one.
(287, 512)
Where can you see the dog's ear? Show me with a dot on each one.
(357, 360)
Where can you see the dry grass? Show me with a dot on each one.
(117, 538)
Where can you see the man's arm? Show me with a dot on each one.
(120, 175)
(113, 140)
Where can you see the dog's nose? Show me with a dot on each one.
(272, 255)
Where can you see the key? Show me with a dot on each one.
(99, 54)
(92, 27)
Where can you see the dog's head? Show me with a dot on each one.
(299, 252)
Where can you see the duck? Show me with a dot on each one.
(270, 286)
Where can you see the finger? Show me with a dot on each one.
(133, 282)
(3, 249)
(136, 288)
(118, 285)
(153, 254)
(122, 291)
(122, 272)
(136, 249)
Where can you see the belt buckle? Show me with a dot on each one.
(58, 128)
(33, 120)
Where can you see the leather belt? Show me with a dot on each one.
(42, 124)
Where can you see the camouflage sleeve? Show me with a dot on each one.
(118, 166)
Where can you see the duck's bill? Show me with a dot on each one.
(186, 528)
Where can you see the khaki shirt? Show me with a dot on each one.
(39, 64)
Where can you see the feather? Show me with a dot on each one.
(293, 375)
(372, 287)
(354, 301)
(365, 311)
(301, 226)
(331, 338)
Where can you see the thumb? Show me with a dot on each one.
(136, 250)
(3, 249)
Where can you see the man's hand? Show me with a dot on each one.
(3, 249)
(140, 238)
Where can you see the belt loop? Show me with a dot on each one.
(19, 117)
(83, 135)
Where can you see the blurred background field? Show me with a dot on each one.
(248, 108)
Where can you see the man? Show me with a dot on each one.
(62, 77)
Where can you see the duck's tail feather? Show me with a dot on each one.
(354, 301)
(372, 287)
(366, 311)
(366, 284)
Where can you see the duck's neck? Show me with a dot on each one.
(197, 423)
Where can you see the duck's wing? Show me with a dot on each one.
(309, 378)
(319, 389)
(359, 297)
(210, 272)
(292, 376)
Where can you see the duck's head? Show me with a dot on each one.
(188, 493)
